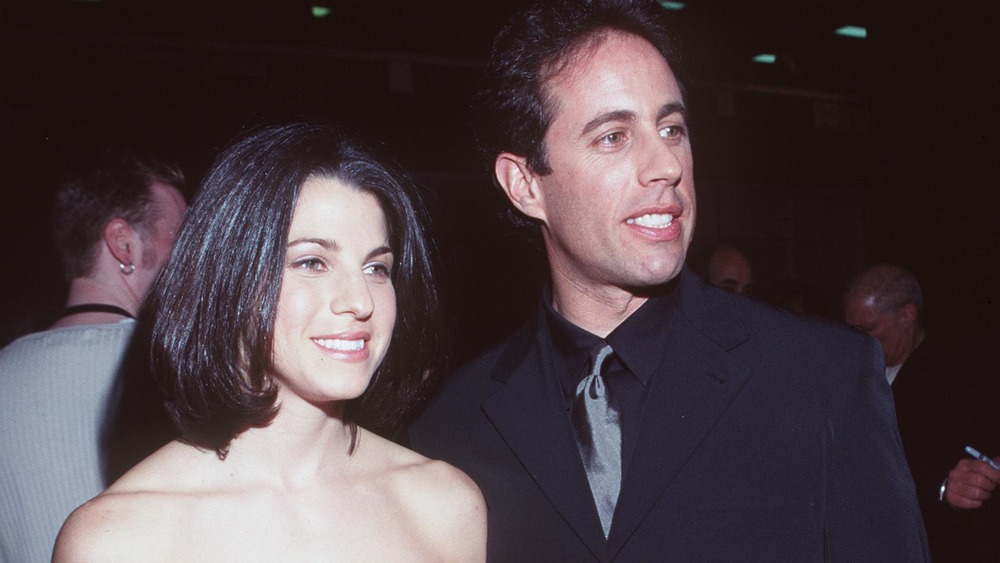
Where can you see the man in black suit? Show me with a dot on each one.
(641, 414)
(969, 490)
(940, 401)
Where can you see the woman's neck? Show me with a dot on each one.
(298, 446)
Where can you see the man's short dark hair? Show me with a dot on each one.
(116, 185)
(513, 111)
(215, 302)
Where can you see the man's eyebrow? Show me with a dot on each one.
(672, 108)
(607, 117)
(626, 115)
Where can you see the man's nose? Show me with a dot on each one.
(660, 162)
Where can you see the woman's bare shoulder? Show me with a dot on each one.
(429, 479)
(130, 520)
(438, 483)
(103, 529)
(175, 466)
(444, 502)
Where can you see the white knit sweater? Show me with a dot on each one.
(55, 388)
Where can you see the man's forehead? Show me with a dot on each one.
(577, 60)
(581, 78)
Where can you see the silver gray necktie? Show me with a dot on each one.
(599, 435)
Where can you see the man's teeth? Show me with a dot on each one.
(652, 220)
(340, 345)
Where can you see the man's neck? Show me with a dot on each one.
(596, 311)
(915, 342)
(86, 291)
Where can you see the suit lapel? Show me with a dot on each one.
(695, 383)
(529, 412)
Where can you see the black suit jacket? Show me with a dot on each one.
(765, 437)
(943, 403)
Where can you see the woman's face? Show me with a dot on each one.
(337, 304)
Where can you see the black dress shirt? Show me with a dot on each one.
(638, 343)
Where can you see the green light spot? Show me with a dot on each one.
(668, 5)
(765, 58)
(854, 31)
(320, 11)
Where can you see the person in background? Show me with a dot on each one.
(971, 483)
(113, 225)
(933, 386)
(302, 258)
(969, 490)
(730, 269)
(885, 301)
(643, 414)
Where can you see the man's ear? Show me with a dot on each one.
(122, 241)
(520, 184)
(908, 314)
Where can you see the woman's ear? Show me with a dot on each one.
(521, 184)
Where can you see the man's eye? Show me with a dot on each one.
(612, 138)
(672, 131)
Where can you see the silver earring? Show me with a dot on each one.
(127, 269)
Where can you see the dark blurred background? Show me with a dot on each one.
(840, 152)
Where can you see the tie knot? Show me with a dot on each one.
(599, 357)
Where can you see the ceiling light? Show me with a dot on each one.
(854, 31)
(765, 58)
(668, 5)
(320, 11)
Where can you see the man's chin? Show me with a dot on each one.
(652, 288)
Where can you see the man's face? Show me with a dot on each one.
(158, 236)
(618, 209)
(890, 327)
(730, 270)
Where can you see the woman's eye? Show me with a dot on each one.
(378, 270)
(310, 264)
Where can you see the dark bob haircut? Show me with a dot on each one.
(512, 111)
(214, 304)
